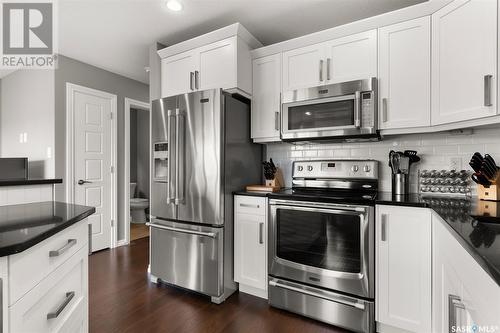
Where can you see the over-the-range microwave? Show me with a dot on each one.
(336, 112)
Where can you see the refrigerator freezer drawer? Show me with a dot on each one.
(188, 256)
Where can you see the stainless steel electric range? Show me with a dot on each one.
(322, 243)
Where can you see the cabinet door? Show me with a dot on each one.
(177, 74)
(351, 58)
(217, 65)
(266, 98)
(250, 250)
(405, 74)
(463, 293)
(464, 68)
(403, 268)
(304, 67)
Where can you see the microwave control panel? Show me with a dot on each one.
(367, 109)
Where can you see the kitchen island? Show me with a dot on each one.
(43, 259)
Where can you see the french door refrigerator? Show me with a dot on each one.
(202, 153)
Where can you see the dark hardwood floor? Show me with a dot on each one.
(123, 300)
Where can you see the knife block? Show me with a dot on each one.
(491, 193)
(272, 185)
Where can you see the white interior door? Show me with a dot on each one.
(93, 152)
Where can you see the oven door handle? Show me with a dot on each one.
(324, 295)
(322, 209)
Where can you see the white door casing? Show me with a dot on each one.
(125, 221)
(91, 157)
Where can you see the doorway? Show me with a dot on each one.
(91, 128)
(137, 164)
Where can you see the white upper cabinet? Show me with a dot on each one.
(177, 74)
(403, 268)
(304, 67)
(223, 64)
(217, 65)
(266, 102)
(464, 61)
(219, 59)
(405, 74)
(348, 58)
(351, 58)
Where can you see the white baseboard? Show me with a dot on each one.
(253, 291)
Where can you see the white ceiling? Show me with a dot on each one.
(116, 34)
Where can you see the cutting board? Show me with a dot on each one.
(262, 188)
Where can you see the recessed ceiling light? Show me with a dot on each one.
(174, 5)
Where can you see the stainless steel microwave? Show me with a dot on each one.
(340, 111)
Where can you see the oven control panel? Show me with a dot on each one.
(357, 169)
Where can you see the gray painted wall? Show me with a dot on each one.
(139, 151)
(74, 71)
(27, 106)
(133, 146)
(142, 149)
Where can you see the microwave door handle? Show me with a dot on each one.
(357, 109)
(170, 157)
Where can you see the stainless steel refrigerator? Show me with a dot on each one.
(202, 152)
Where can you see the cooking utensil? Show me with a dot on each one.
(392, 152)
(404, 164)
(412, 154)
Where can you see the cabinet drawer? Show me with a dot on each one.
(28, 268)
(55, 303)
(250, 205)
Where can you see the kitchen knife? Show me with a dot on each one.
(491, 166)
(480, 179)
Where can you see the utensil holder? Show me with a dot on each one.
(400, 184)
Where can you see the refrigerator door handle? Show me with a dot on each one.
(170, 198)
(179, 152)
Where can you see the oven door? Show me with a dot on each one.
(322, 117)
(326, 245)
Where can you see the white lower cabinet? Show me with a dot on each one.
(464, 295)
(403, 269)
(250, 244)
(58, 303)
(45, 288)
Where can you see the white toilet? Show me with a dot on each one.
(137, 206)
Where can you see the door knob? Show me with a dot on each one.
(81, 182)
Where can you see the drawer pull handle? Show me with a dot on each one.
(384, 228)
(63, 249)
(261, 233)
(55, 314)
(249, 206)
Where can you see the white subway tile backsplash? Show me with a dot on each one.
(436, 150)
(446, 150)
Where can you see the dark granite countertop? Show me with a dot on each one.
(251, 193)
(473, 222)
(23, 226)
(31, 181)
